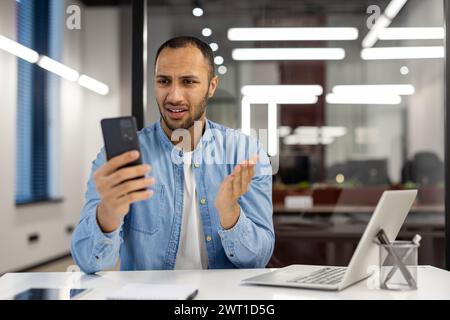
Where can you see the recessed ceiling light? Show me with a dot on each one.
(206, 32)
(198, 12)
(218, 60)
(404, 70)
(214, 46)
(222, 69)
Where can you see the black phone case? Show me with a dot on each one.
(120, 136)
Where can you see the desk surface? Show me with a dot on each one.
(433, 283)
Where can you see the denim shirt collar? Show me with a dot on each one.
(177, 153)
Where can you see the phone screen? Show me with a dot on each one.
(49, 294)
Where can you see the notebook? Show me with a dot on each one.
(148, 291)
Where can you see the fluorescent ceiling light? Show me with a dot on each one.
(315, 135)
(282, 90)
(271, 99)
(51, 65)
(289, 54)
(93, 85)
(281, 99)
(307, 140)
(291, 34)
(58, 68)
(272, 138)
(383, 22)
(18, 50)
(402, 53)
(334, 131)
(307, 131)
(394, 8)
(375, 89)
(372, 36)
(328, 131)
(411, 33)
(284, 131)
(334, 98)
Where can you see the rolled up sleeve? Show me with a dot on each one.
(92, 249)
(250, 242)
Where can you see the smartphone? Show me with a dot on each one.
(120, 136)
(50, 294)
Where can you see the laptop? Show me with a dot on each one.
(389, 215)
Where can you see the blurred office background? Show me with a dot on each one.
(358, 104)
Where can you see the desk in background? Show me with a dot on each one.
(329, 234)
(433, 283)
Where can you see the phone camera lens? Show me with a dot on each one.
(125, 123)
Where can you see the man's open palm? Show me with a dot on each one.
(232, 188)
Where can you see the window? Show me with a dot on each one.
(36, 101)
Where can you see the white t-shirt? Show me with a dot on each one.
(191, 249)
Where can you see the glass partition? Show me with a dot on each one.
(351, 96)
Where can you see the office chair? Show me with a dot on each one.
(427, 168)
(295, 169)
(369, 172)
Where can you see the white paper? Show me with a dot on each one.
(146, 291)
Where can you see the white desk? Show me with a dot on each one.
(433, 283)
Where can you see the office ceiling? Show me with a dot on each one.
(105, 2)
(306, 6)
(263, 12)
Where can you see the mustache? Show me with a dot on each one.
(175, 104)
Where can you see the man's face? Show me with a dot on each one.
(182, 86)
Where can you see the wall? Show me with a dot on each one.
(102, 61)
(426, 109)
(159, 30)
(80, 140)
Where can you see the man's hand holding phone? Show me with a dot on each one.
(120, 186)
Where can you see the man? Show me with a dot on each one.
(209, 202)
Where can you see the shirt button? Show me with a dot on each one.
(202, 200)
(196, 165)
(208, 238)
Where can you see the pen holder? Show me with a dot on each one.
(392, 275)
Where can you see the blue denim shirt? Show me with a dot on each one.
(149, 235)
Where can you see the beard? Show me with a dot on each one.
(198, 110)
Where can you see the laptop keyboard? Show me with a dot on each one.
(327, 275)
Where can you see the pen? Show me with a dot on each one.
(382, 237)
(192, 295)
(415, 240)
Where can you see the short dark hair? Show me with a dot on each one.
(183, 42)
